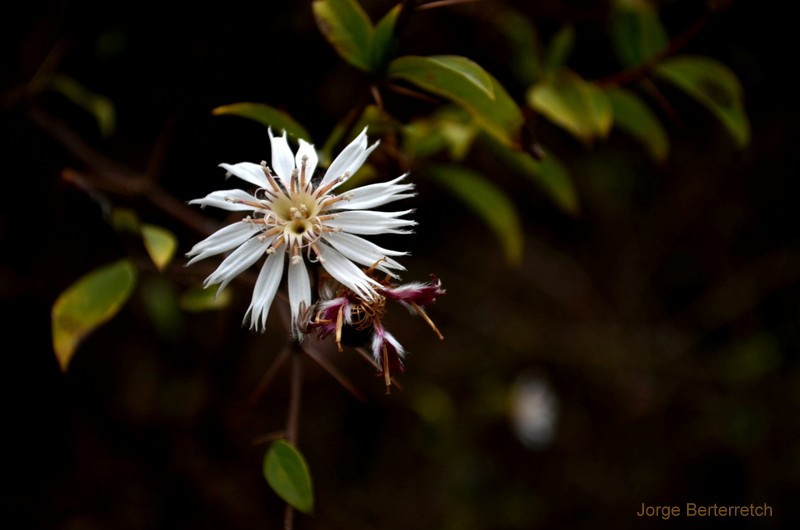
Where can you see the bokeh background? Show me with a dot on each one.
(644, 351)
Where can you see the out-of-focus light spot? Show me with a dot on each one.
(534, 410)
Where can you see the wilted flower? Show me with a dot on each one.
(295, 214)
(350, 318)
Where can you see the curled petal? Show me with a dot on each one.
(349, 160)
(247, 171)
(373, 195)
(364, 252)
(370, 223)
(231, 200)
(223, 240)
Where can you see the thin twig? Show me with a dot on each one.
(335, 373)
(269, 375)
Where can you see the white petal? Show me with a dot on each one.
(282, 158)
(239, 260)
(223, 240)
(370, 223)
(343, 270)
(299, 291)
(349, 160)
(372, 195)
(249, 172)
(364, 252)
(223, 199)
(307, 150)
(264, 291)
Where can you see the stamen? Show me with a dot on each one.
(271, 178)
(335, 182)
(387, 377)
(303, 164)
(339, 318)
(427, 319)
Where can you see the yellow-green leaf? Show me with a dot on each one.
(467, 84)
(88, 303)
(574, 104)
(160, 244)
(265, 115)
(488, 201)
(713, 85)
(347, 28)
(99, 106)
(548, 173)
(287, 473)
(634, 117)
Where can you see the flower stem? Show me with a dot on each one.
(293, 417)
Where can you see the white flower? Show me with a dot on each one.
(296, 215)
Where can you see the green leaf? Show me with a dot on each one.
(160, 244)
(347, 28)
(265, 115)
(559, 49)
(464, 82)
(574, 104)
(714, 86)
(523, 49)
(95, 104)
(637, 32)
(634, 117)
(197, 299)
(287, 473)
(88, 303)
(383, 41)
(488, 201)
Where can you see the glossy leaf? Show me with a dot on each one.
(100, 107)
(488, 201)
(637, 32)
(466, 83)
(574, 104)
(265, 115)
(634, 117)
(287, 473)
(88, 303)
(160, 244)
(197, 299)
(347, 28)
(713, 85)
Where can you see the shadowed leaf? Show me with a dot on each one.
(714, 86)
(634, 117)
(382, 41)
(488, 201)
(197, 299)
(637, 32)
(100, 107)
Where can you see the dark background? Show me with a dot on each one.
(661, 319)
